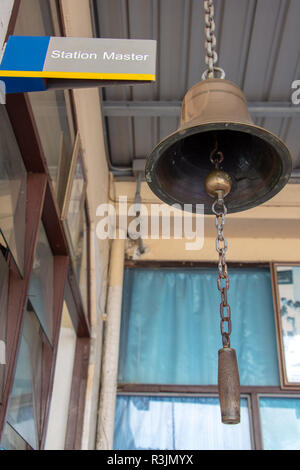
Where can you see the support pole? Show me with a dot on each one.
(106, 414)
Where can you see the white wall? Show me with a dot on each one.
(59, 409)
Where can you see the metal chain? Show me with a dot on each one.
(210, 38)
(210, 42)
(220, 210)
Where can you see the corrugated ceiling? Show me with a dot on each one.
(258, 44)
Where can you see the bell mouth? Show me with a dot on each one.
(257, 161)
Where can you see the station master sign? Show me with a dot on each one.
(35, 63)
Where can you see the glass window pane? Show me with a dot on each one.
(59, 411)
(289, 295)
(11, 440)
(177, 423)
(174, 336)
(24, 404)
(13, 189)
(51, 117)
(75, 211)
(280, 423)
(40, 290)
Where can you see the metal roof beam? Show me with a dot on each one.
(172, 108)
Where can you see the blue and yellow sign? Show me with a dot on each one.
(30, 62)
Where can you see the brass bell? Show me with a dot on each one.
(215, 113)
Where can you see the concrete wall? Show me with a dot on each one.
(270, 232)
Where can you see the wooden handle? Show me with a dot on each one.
(229, 386)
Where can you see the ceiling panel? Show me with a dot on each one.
(258, 47)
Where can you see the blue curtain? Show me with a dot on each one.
(177, 423)
(170, 331)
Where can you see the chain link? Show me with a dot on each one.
(220, 211)
(211, 57)
(210, 38)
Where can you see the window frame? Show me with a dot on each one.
(285, 384)
(252, 392)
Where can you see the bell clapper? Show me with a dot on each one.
(217, 183)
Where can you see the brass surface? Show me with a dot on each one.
(215, 115)
(214, 100)
(218, 184)
(229, 386)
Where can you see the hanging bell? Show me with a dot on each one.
(215, 115)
